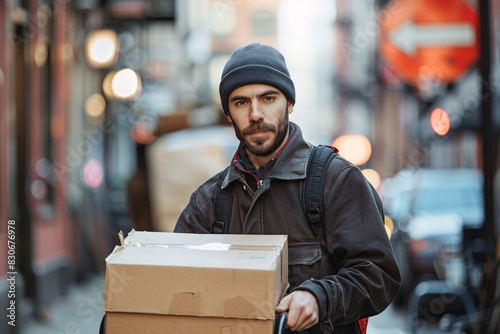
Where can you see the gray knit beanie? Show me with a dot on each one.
(255, 63)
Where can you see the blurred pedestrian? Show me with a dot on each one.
(354, 274)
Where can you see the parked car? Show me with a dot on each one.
(430, 208)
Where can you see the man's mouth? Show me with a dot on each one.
(258, 131)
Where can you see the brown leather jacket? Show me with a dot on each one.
(359, 279)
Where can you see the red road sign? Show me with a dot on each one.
(428, 39)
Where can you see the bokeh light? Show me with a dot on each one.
(143, 132)
(95, 105)
(389, 225)
(102, 48)
(440, 121)
(126, 84)
(355, 148)
(106, 85)
(93, 173)
(373, 177)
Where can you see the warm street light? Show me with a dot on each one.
(95, 105)
(101, 48)
(126, 84)
(355, 148)
(372, 176)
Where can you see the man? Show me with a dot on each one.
(358, 276)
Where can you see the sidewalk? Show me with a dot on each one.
(80, 311)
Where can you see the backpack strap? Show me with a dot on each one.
(222, 205)
(320, 158)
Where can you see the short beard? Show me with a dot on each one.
(257, 147)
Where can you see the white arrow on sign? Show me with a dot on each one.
(408, 37)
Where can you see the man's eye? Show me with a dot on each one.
(269, 98)
(239, 103)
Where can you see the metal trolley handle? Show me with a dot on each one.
(102, 327)
(280, 324)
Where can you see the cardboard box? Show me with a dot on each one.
(133, 323)
(197, 276)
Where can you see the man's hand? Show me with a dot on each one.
(302, 310)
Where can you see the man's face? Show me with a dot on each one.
(259, 114)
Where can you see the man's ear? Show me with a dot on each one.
(290, 106)
(229, 119)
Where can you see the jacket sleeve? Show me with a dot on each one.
(367, 277)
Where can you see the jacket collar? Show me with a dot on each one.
(291, 160)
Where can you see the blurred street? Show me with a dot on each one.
(110, 118)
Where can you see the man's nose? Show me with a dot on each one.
(256, 111)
